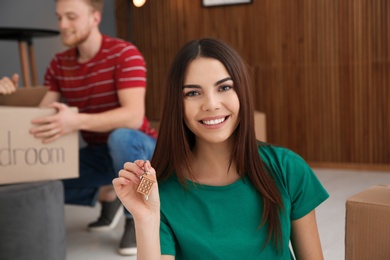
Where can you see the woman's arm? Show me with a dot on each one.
(146, 213)
(305, 239)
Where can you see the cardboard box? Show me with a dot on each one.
(24, 97)
(367, 233)
(24, 158)
(260, 126)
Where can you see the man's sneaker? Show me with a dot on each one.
(128, 244)
(110, 215)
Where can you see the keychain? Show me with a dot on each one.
(146, 183)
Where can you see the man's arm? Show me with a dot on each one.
(49, 98)
(129, 115)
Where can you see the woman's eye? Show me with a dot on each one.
(225, 87)
(191, 93)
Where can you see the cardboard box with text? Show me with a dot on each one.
(23, 158)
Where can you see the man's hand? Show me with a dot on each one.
(50, 128)
(9, 85)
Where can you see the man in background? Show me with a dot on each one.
(105, 78)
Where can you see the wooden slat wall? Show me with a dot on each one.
(320, 67)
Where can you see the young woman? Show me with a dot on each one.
(221, 194)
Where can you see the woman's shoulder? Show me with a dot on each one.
(276, 153)
(282, 161)
(295, 178)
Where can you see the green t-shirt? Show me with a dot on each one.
(222, 222)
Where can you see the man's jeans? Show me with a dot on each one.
(100, 164)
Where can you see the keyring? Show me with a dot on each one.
(145, 186)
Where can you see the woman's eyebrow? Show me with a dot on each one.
(222, 80)
(191, 86)
(215, 84)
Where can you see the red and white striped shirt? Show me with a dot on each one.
(92, 86)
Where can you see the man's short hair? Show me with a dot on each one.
(97, 5)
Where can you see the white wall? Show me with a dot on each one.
(38, 14)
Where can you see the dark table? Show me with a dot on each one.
(24, 36)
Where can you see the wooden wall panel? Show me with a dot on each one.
(320, 68)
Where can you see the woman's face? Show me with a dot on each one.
(211, 105)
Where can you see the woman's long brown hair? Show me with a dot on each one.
(175, 142)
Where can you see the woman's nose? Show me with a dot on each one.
(210, 102)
